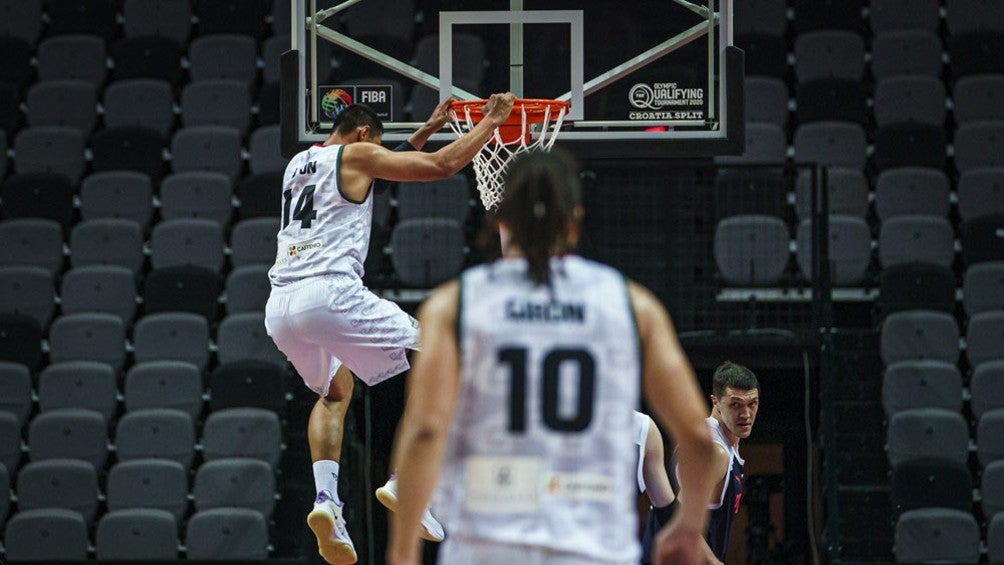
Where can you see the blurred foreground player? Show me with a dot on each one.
(735, 400)
(523, 396)
(319, 313)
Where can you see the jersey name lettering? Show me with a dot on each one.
(308, 169)
(519, 311)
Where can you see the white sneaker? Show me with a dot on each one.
(328, 525)
(432, 530)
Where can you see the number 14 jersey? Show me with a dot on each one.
(322, 231)
(541, 449)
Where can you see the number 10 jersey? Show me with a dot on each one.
(323, 231)
(541, 449)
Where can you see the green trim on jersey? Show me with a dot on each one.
(338, 175)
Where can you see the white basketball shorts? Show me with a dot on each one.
(464, 551)
(323, 322)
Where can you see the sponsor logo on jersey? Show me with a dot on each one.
(552, 311)
(304, 247)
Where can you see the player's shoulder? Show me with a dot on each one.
(579, 265)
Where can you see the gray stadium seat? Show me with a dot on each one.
(88, 336)
(79, 57)
(124, 195)
(140, 102)
(927, 433)
(172, 337)
(448, 198)
(427, 251)
(70, 433)
(187, 241)
(242, 432)
(21, 18)
(33, 242)
(829, 54)
(381, 208)
(157, 433)
(981, 191)
(271, 51)
(912, 190)
(164, 384)
(985, 337)
(281, 17)
(149, 483)
(235, 483)
(224, 56)
(242, 337)
(765, 143)
(207, 148)
(29, 291)
(908, 14)
(990, 437)
(4, 494)
(979, 144)
(937, 535)
(100, 288)
(768, 17)
(983, 288)
(68, 103)
(216, 102)
(766, 100)
(52, 534)
(837, 144)
(916, 239)
(916, 335)
(995, 539)
(231, 534)
(974, 15)
(979, 97)
(253, 241)
(751, 250)
(848, 190)
(59, 483)
(921, 384)
(907, 52)
(10, 441)
(15, 390)
(850, 249)
(468, 60)
(3, 153)
(140, 534)
(107, 242)
(265, 151)
(197, 195)
(247, 289)
(992, 487)
(34, 148)
(987, 387)
(78, 384)
(919, 99)
(171, 19)
(369, 19)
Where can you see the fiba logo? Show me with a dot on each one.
(334, 101)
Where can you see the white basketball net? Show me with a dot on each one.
(491, 162)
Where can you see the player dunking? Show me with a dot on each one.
(523, 395)
(319, 313)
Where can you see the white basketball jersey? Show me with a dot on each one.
(542, 445)
(322, 232)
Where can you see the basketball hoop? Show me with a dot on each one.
(532, 125)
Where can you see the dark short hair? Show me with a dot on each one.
(733, 375)
(357, 115)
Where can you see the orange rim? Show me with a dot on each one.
(535, 109)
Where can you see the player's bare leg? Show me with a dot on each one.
(325, 430)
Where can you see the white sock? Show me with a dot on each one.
(326, 477)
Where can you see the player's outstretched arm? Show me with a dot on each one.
(377, 162)
(439, 117)
(653, 469)
(670, 388)
(421, 436)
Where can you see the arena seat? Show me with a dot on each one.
(209, 149)
(176, 385)
(89, 385)
(260, 195)
(986, 386)
(10, 441)
(912, 190)
(144, 18)
(196, 194)
(66, 103)
(139, 534)
(980, 241)
(140, 102)
(79, 57)
(34, 147)
(836, 144)
(992, 489)
(59, 483)
(32, 242)
(183, 288)
(216, 102)
(242, 337)
(931, 484)
(21, 19)
(52, 534)
(978, 98)
(88, 336)
(927, 433)
(907, 385)
(829, 54)
(906, 99)
(20, 340)
(172, 336)
(979, 144)
(906, 52)
(95, 17)
(232, 16)
(247, 289)
(850, 249)
(152, 58)
(231, 534)
(266, 156)
(427, 251)
(242, 432)
(156, 433)
(69, 434)
(248, 384)
(253, 241)
(29, 291)
(937, 534)
(126, 195)
(15, 392)
(981, 192)
(107, 242)
(911, 14)
(831, 99)
(128, 148)
(919, 335)
(158, 484)
(751, 250)
(916, 239)
(848, 193)
(195, 242)
(766, 100)
(990, 437)
(235, 483)
(100, 288)
(223, 56)
(447, 198)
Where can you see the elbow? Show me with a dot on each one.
(445, 167)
